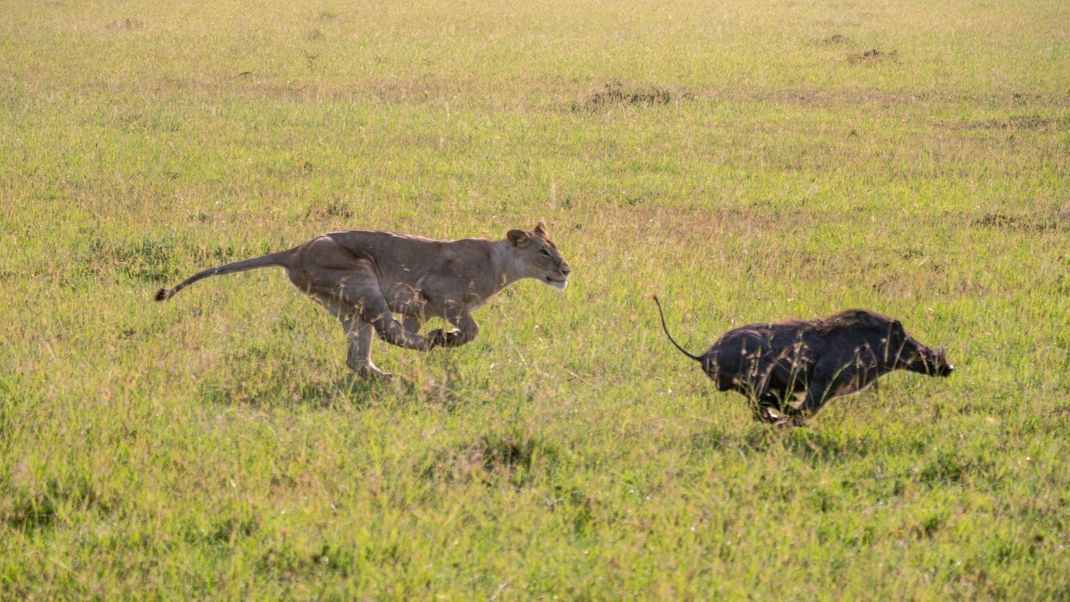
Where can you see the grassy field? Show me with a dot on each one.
(744, 160)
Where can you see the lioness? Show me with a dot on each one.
(364, 278)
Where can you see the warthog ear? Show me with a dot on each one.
(540, 228)
(897, 326)
(940, 351)
(518, 238)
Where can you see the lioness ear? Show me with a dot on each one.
(518, 238)
(540, 228)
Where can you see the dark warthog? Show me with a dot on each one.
(825, 357)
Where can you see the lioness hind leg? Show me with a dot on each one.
(359, 335)
(356, 289)
(359, 355)
(376, 312)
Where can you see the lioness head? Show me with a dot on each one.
(537, 257)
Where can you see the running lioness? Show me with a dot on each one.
(364, 278)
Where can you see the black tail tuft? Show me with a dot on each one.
(161, 295)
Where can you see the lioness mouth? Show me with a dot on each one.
(558, 284)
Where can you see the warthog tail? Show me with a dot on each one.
(697, 358)
(271, 259)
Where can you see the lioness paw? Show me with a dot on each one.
(445, 338)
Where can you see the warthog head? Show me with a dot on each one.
(909, 354)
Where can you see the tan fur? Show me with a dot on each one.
(366, 278)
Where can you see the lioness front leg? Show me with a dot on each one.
(465, 331)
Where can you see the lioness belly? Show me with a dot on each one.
(405, 299)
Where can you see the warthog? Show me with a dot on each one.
(823, 357)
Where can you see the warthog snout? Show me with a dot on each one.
(916, 357)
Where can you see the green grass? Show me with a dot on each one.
(747, 161)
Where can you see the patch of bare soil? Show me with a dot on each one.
(1019, 122)
(335, 209)
(874, 55)
(615, 93)
(1023, 223)
(127, 24)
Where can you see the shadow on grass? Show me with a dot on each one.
(804, 443)
(515, 456)
(349, 390)
(28, 511)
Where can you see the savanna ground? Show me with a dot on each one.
(746, 161)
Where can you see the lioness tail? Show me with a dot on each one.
(271, 259)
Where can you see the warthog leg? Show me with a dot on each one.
(412, 324)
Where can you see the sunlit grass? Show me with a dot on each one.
(746, 161)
